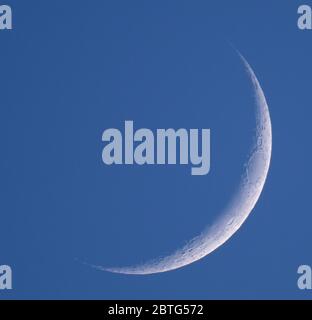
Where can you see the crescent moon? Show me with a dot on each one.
(240, 206)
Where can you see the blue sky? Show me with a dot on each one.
(70, 70)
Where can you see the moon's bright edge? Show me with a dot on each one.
(242, 203)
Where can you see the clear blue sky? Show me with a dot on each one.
(71, 69)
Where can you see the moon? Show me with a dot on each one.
(243, 201)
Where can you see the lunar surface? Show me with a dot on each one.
(238, 209)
